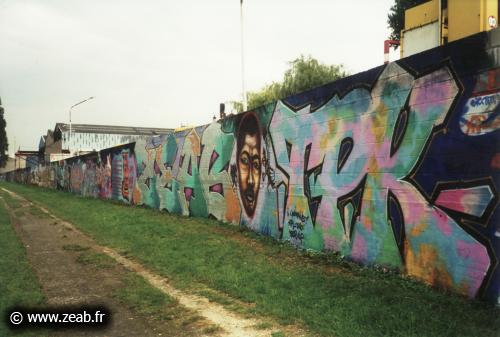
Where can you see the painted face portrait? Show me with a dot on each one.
(249, 162)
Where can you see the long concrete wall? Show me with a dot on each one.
(396, 166)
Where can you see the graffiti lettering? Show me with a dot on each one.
(379, 162)
(363, 171)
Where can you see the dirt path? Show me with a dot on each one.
(65, 281)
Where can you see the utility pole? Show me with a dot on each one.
(243, 91)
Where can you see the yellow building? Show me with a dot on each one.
(438, 22)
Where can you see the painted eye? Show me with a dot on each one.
(244, 160)
(256, 163)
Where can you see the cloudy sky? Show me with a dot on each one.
(165, 63)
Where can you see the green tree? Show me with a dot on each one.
(4, 145)
(396, 16)
(303, 74)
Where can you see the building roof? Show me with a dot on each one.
(26, 153)
(112, 129)
(41, 143)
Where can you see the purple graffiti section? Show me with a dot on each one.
(346, 207)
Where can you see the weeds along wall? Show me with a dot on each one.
(396, 166)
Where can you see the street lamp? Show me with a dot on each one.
(243, 93)
(71, 108)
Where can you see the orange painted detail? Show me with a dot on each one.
(233, 211)
(418, 229)
(426, 266)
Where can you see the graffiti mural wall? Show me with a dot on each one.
(397, 166)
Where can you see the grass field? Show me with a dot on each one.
(323, 293)
(18, 283)
(155, 307)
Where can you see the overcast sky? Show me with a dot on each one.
(165, 63)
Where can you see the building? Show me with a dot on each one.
(437, 22)
(50, 149)
(82, 138)
(24, 159)
(9, 166)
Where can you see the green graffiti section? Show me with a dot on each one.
(190, 191)
(221, 197)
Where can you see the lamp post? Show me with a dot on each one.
(71, 108)
(243, 93)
